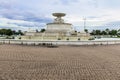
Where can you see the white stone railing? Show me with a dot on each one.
(34, 42)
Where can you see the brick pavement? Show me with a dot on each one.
(62, 63)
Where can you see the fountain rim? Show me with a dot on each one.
(59, 14)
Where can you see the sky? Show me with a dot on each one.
(34, 14)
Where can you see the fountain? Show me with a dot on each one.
(59, 25)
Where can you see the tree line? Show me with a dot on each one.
(113, 32)
(10, 32)
(106, 32)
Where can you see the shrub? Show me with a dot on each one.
(19, 37)
(59, 38)
(91, 39)
(78, 38)
(67, 39)
(43, 44)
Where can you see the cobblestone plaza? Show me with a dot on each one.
(62, 63)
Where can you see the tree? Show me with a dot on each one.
(98, 32)
(9, 32)
(20, 32)
(113, 32)
(118, 29)
(14, 32)
(103, 33)
(93, 32)
(107, 31)
(86, 30)
(42, 30)
(6, 32)
(118, 33)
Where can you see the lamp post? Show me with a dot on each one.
(85, 27)
(84, 23)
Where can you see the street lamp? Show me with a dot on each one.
(84, 23)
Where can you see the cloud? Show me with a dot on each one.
(20, 24)
(29, 13)
(67, 2)
(26, 16)
(6, 4)
(15, 18)
(109, 25)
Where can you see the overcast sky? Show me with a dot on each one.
(34, 14)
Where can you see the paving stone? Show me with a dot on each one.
(19, 62)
